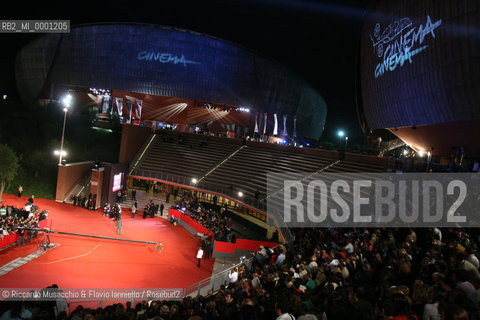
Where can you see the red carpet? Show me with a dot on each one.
(95, 263)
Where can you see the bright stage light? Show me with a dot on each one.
(66, 101)
(194, 180)
(57, 153)
(340, 133)
(240, 194)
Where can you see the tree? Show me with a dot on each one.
(8, 167)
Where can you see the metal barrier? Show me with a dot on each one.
(210, 285)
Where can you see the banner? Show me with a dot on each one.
(294, 126)
(265, 124)
(100, 103)
(108, 105)
(275, 126)
(256, 123)
(129, 110)
(138, 110)
(119, 103)
(285, 133)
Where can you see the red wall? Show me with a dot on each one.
(220, 246)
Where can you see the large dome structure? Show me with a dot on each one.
(419, 64)
(158, 61)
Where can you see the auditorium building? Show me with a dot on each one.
(159, 75)
(418, 74)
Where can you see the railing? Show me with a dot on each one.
(390, 145)
(138, 157)
(78, 187)
(208, 187)
(218, 164)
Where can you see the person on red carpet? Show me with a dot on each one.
(199, 255)
(119, 224)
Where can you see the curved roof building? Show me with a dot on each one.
(419, 63)
(158, 63)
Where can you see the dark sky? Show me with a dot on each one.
(316, 39)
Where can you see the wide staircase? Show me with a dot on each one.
(240, 170)
(249, 169)
(184, 154)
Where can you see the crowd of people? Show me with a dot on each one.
(152, 208)
(15, 220)
(112, 211)
(324, 273)
(216, 221)
(89, 202)
(395, 274)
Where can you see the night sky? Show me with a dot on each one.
(316, 39)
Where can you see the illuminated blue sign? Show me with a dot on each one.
(400, 42)
(164, 57)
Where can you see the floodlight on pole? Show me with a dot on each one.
(66, 102)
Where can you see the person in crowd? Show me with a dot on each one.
(106, 210)
(134, 209)
(3, 211)
(21, 233)
(20, 190)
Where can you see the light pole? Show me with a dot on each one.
(66, 103)
(341, 134)
(429, 155)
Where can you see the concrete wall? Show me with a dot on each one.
(133, 138)
(96, 183)
(69, 175)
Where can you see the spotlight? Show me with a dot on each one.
(340, 133)
(194, 180)
(420, 153)
(57, 153)
(240, 194)
(66, 101)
